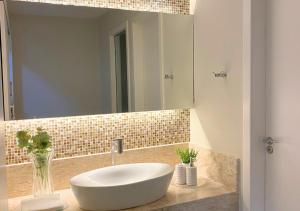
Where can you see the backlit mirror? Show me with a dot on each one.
(61, 60)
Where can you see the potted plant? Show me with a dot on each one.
(184, 155)
(187, 155)
(191, 169)
(39, 148)
(193, 156)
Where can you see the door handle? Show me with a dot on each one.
(269, 142)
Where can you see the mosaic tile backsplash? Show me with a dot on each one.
(166, 6)
(86, 135)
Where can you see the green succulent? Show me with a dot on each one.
(193, 155)
(186, 155)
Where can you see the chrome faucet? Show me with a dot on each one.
(116, 147)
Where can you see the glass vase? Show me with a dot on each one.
(42, 178)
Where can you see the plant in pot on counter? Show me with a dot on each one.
(182, 171)
(39, 148)
(187, 155)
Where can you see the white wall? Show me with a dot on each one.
(229, 115)
(137, 65)
(158, 44)
(146, 66)
(217, 118)
(177, 36)
(151, 63)
(143, 53)
(57, 67)
(48, 50)
(106, 24)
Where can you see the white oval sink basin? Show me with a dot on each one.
(122, 186)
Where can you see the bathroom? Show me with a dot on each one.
(148, 105)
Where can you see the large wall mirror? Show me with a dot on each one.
(60, 60)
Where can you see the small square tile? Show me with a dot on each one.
(87, 135)
(165, 6)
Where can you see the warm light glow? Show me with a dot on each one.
(85, 135)
(166, 6)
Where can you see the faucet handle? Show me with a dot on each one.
(119, 145)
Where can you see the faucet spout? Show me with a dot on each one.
(116, 147)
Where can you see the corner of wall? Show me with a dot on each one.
(217, 117)
(198, 136)
(192, 6)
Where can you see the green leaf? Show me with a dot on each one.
(39, 142)
(186, 155)
(23, 138)
(193, 154)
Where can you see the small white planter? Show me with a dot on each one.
(191, 175)
(180, 174)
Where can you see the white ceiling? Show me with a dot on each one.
(42, 9)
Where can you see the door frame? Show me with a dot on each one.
(6, 82)
(161, 61)
(254, 106)
(122, 27)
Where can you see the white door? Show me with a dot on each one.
(283, 105)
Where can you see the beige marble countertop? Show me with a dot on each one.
(176, 195)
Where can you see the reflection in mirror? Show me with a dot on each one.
(120, 50)
(69, 60)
